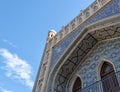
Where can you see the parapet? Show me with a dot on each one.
(77, 21)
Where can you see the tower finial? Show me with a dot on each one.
(51, 34)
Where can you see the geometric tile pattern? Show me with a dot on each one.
(112, 9)
(106, 33)
(108, 50)
(70, 65)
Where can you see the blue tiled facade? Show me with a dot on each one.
(105, 51)
(112, 9)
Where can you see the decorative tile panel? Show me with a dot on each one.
(89, 69)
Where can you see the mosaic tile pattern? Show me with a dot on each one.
(88, 70)
(70, 65)
(107, 50)
(111, 9)
(81, 52)
(106, 33)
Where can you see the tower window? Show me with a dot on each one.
(109, 78)
(77, 85)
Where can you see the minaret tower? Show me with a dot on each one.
(41, 79)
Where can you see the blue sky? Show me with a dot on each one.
(24, 25)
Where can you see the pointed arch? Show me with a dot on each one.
(106, 70)
(108, 78)
(77, 86)
(100, 66)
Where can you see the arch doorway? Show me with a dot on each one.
(77, 85)
(109, 78)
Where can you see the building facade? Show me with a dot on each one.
(84, 56)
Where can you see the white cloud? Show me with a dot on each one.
(10, 43)
(17, 68)
(5, 90)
